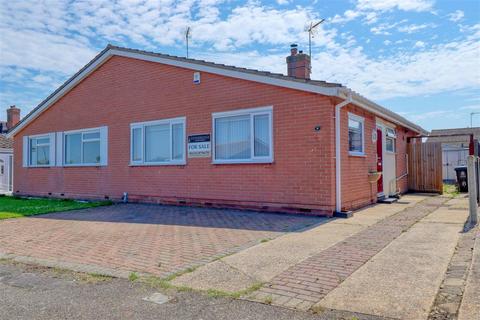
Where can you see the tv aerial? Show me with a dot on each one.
(312, 30)
(188, 35)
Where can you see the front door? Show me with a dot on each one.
(380, 159)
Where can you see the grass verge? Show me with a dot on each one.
(15, 207)
(450, 190)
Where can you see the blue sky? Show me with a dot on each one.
(420, 58)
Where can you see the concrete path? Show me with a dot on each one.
(471, 297)
(402, 280)
(263, 262)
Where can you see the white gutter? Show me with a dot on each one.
(338, 154)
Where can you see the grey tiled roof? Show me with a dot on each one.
(228, 67)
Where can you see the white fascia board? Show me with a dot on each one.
(6, 150)
(100, 60)
(230, 73)
(381, 112)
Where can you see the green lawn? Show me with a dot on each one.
(13, 207)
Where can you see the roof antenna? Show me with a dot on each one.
(311, 33)
(188, 35)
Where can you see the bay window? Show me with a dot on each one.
(159, 142)
(243, 136)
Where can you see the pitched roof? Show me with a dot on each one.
(454, 135)
(277, 79)
(5, 143)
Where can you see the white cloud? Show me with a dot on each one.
(283, 2)
(456, 16)
(419, 44)
(405, 5)
(40, 51)
(415, 27)
(43, 41)
(440, 68)
(472, 107)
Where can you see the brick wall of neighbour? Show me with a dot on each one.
(125, 90)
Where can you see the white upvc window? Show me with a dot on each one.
(356, 135)
(243, 136)
(85, 147)
(390, 139)
(159, 142)
(39, 150)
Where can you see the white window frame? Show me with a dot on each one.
(29, 154)
(268, 110)
(390, 136)
(142, 126)
(355, 117)
(82, 132)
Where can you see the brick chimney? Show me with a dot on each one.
(13, 116)
(298, 63)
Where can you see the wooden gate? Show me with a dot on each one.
(425, 167)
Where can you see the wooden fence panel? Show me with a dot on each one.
(425, 167)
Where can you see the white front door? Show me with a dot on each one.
(389, 167)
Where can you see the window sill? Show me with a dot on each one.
(357, 154)
(267, 161)
(156, 164)
(46, 166)
(82, 165)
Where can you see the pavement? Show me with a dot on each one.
(471, 297)
(409, 260)
(402, 280)
(38, 293)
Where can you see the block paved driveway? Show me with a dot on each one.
(144, 238)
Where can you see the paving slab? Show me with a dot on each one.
(470, 307)
(447, 215)
(265, 261)
(402, 280)
(373, 214)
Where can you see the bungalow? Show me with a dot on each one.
(158, 128)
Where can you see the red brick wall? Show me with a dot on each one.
(357, 191)
(402, 135)
(124, 90)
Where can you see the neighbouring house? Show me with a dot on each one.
(160, 128)
(455, 148)
(6, 150)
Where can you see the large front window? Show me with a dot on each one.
(82, 147)
(243, 136)
(39, 153)
(158, 142)
(355, 135)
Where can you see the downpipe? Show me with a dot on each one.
(338, 153)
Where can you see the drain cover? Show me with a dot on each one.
(157, 298)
